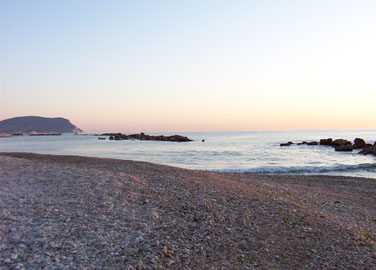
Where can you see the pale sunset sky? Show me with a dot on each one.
(190, 65)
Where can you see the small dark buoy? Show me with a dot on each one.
(203, 140)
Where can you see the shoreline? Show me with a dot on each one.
(73, 211)
(303, 172)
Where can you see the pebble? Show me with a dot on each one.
(14, 256)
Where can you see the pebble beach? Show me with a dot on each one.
(73, 212)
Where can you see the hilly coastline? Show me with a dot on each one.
(37, 124)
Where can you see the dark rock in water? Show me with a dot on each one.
(101, 138)
(359, 143)
(339, 142)
(143, 137)
(286, 144)
(343, 145)
(370, 150)
(45, 134)
(304, 142)
(328, 141)
(203, 141)
(313, 143)
(108, 134)
(344, 148)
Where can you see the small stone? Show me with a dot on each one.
(14, 256)
(149, 256)
(54, 245)
(29, 242)
(19, 266)
(15, 238)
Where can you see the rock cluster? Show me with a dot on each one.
(307, 143)
(144, 137)
(45, 134)
(342, 145)
(369, 150)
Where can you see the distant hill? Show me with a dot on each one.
(36, 124)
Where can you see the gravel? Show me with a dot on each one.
(70, 212)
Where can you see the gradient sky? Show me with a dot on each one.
(190, 65)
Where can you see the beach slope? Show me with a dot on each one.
(71, 212)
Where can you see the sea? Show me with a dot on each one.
(241, 151)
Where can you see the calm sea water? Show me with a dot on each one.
(254, 151)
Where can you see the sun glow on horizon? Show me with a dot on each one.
(190, 66)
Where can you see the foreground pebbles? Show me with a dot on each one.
(64, 212)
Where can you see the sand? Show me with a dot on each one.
(70, 212)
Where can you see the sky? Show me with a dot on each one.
(189, 65)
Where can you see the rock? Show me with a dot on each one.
(359, 143)
(344, 148)
(14, 256)
(304, 142)
(143, 137)
(340, 142)
(313, 143)
(286, 144)
(178, 138)
(101, 138)
(15, 239)
(369, 150)
(45, 134)
(328, 141)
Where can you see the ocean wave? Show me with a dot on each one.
(340, 168)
